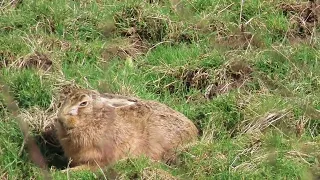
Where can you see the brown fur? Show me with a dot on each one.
(114, 127)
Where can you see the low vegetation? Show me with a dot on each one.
(245, 72)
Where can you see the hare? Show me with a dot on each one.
(96, 129)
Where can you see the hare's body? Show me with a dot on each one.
(111, 128)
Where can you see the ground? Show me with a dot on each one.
(245, 72)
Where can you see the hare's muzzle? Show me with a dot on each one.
(67, 123)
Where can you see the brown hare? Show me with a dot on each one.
(97, 129)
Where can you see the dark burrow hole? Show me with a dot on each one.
(51, 149)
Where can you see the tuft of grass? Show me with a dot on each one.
(14, 164)
(29, 88)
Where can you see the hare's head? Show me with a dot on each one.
(82, 107)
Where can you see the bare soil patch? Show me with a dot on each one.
(233, 76)
(304, 19)
(129, 47)
(10, 3)
(6, 58)
(52, 44)
(211, 82)
(240, 39)
(143, 31)
(149, 27)
(198, 78)
(189, 78)
(37, 60)
(152, 28)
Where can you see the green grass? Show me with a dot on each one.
(188, 47)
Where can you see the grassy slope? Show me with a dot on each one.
(75, 35)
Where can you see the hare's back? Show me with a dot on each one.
(167, 130)
(163, 109)
(170, 122)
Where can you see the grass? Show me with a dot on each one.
(253, 90)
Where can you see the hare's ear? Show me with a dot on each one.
(115, 102)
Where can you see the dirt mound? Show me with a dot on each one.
(185, 79)
(211, 82)
(233, 76)
(149, 27)
(40, 61)
(6, 58)
(12, 3)
(142, 31)
(304, 18)
(37, 60)
(129, 47)
(198, 78)
(134, 20)
(240, 39)
(52, 44)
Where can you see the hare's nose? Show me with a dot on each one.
(73, 112)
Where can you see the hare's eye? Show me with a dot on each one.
(84, 103)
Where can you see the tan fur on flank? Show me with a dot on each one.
(96, 128)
